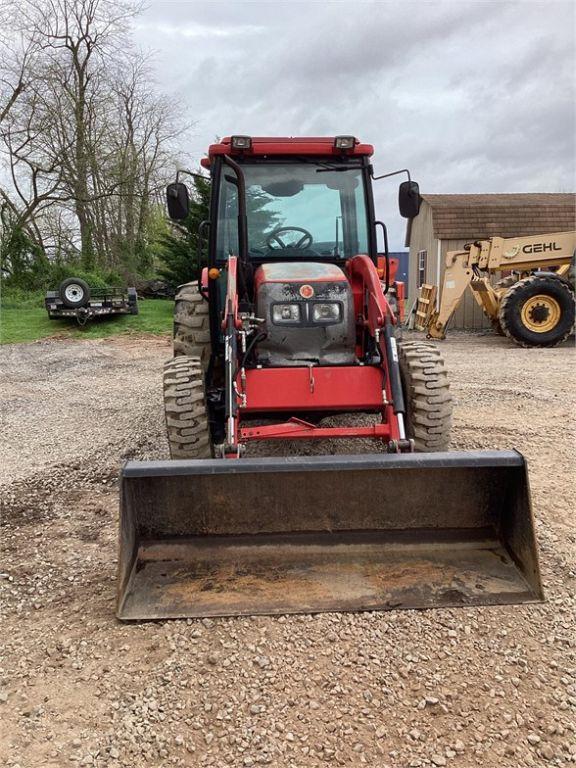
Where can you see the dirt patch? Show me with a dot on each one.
(467, 687)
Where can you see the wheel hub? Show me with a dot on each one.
(541, 313)
(73, 292)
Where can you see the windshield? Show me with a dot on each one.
(295, 210)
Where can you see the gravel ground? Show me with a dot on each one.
(467, 687)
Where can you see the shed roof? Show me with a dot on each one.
(456, 217)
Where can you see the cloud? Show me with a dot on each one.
(472, 96)
(195, 30)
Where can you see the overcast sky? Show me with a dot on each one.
(471, 96)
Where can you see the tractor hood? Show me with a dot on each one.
(298, 272)
(309, 314)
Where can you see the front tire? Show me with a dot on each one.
(538, 311)
(426, 394)
(506, 282)
(191, 324)
(502, 285)
(185, 408)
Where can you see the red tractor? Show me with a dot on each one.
(295, 319)
(291, 317)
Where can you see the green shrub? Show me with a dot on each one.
(60, 272)
(51, 278)
(15, 298)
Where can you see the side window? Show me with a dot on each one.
(422, 263)
(227, 241)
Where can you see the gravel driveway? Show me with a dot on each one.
(467, 687)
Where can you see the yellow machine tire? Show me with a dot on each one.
(427, 395)
(187, 424)
(496, 326)
(191, 324)
(504, 283)
(538, 311)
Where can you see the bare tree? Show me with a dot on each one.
(77, 35)
(88, 142)
(143, 135)
(20, 47)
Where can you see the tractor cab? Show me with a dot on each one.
(278, 201)
(303, 209)
(305, 217)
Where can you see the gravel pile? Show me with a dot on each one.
(468, 687)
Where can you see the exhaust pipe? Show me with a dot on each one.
(327, 533)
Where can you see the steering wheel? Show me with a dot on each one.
(276, 237)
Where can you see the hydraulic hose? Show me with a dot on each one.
(394, 369)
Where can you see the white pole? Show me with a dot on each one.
(438, 259)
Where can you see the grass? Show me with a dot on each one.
(26, 321)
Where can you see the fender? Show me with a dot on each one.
(563, 278)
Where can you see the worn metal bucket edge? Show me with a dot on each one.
(310, 534)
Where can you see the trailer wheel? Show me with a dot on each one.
(133, 301)
(191, 324)
(427, 395)
(538, 311)
(185, 408)
(74, 292)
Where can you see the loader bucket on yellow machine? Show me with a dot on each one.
(326, 533)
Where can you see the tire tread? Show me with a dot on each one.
(510, 299)
(427, 393)
(191, 324)
(187, 423)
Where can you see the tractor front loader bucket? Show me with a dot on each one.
(327, 533)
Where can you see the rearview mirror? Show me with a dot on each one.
(177, 200)
(409, 199)
(286, 188)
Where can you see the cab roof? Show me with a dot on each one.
(313, 146)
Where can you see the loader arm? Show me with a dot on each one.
(231, 324)
(457, 277)
(379, 321)
(525, 253)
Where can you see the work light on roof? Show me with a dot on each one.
(344, 142)
(241, 142)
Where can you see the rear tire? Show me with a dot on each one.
(426, 394)
(191, 324)
(185, 408)
(538, 311)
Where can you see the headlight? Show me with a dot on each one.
(286, 313)
(344, 142)
(326, 313)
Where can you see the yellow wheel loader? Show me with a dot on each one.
(533, 306)
(289, 323)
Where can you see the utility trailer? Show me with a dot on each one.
(75, 299)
